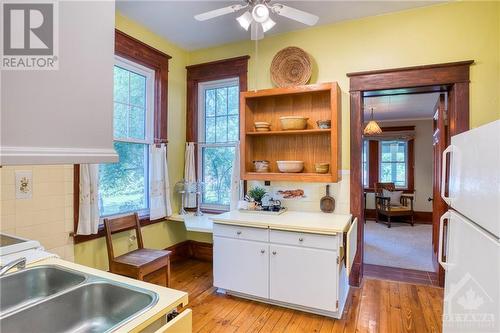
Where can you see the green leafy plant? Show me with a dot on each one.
(257, 193)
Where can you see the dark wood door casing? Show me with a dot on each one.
(453, 75)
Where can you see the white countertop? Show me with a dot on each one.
(313, 222)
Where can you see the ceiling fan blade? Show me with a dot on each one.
(218, 12)
(295, 14)
(256, 31)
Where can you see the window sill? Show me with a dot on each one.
(144, 220)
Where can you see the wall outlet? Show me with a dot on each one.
(24, 184)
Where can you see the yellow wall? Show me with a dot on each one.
(442, 33)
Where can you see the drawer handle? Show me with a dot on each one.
(262, 251)
(274, 253)
(238, 232)
(301, 239)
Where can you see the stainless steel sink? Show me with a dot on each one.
(93, 307)
(60, 300)
(30, 285)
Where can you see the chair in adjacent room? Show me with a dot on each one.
(389, 206)
(142, 264)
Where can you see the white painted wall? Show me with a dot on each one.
(65, 115)
(423, 164)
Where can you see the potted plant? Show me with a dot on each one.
(257, 193)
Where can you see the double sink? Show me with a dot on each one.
(52, 298)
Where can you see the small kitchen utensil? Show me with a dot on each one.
(290, 166)
(322, 167)
(261, 166)
(324, 124)
(293, 123)
(327, 203)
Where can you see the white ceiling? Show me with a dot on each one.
(174, 20)
(401, 107)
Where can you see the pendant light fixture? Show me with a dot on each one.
(372, 128)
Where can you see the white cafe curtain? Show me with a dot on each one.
(88, 214)
(235, 179)
(190, 174)
(159, 192)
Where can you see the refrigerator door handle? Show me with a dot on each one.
(444, 167)
(445, 216)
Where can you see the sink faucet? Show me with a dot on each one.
(19, 263)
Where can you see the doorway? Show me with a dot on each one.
(397, 178)
(452, 78)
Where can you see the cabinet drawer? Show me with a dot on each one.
(326, 242)
(183, 323)
(247, 233)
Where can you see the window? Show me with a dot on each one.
(394, 162)
(365, 162)
(218, 134)
(124, 186)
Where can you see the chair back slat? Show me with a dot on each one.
(119, 224)
(384, 186)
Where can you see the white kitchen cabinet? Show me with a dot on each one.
(299, 270)
(303, 276)
(241, 266)
(64, 115)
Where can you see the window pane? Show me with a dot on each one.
(221, 108)
(121, 82)
(137, 89)
(210, 103)
(210, 129)
(123, 185)
(221, 129)
(217, 169)
(385, 172)
(120, 120)
(233, 128)
(137, 123)
(233, 97)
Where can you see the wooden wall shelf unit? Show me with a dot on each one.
(311, 145)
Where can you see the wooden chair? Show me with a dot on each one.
(142, 264)
(383, 205)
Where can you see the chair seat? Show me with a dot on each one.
(142, 257)
(399, 209)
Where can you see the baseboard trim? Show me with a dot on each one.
(420, 217)
(190, 249)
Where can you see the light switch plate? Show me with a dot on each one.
(24, 184)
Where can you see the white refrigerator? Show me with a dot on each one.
(469, 249)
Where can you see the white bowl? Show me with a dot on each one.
(293, 123)
(290, 166)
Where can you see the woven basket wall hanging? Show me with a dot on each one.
(291, 67)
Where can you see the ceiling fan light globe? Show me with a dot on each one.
(245, 20)
(268, 24)
(260, 13)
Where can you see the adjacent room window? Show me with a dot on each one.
(218, 134)
(365, 162)
(394, 162)
(124, 186)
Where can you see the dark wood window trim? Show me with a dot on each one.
(374, 160)
(205, 72)
(134, 50)
(452, 77)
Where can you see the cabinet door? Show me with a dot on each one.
(304, 276)
(241, 266)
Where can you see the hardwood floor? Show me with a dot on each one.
(401, 275)
(378, 306)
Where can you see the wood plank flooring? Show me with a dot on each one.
(400, 274)
(378, 306)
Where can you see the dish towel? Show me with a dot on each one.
(190, 174)
(235, 179)
(88, 214)
(159, 197)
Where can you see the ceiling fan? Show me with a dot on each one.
(257, 17)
